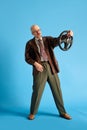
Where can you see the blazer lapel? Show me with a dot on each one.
(34, 45)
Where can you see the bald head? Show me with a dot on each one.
(34, 26)
(35, 30)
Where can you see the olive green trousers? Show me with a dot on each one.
(39, 82)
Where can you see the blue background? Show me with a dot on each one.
(53, 17)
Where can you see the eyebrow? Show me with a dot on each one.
(36, 30)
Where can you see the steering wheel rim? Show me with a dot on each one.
(66, 43)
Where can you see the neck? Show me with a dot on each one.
(38, 38)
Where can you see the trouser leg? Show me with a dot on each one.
(54, 83)
(39, 82)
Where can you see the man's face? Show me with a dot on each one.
(36, 31)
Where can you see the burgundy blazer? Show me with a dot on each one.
(32, 54)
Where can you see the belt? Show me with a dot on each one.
(44, 61)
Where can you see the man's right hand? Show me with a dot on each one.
(38, 66)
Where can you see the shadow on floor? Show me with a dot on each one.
(13, 112)
(42, 113)
(23, 113)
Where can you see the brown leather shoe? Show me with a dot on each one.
(31, 117)
(66, 116)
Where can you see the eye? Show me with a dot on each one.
(35, 31)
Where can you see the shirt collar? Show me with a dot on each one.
(38, 38)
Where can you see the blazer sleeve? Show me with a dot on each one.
(54, 41)
(29, 54)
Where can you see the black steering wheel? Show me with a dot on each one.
(65, 42)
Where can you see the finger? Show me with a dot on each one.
(41, 69)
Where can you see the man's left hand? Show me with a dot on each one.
(70, 33)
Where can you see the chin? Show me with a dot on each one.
(39, 36)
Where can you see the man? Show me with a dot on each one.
(39, 53)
